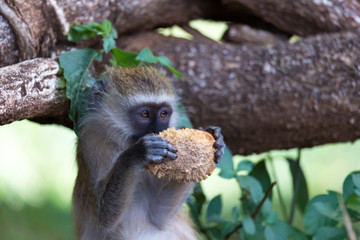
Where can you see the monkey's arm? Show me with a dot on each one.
(116, 190)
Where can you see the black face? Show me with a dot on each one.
(150, 118)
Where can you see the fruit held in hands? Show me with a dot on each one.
(195, 156)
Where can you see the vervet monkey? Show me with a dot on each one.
(114, 196)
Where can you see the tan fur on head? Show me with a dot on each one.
(129, 81)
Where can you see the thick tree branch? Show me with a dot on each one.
(306, 17)
(8, 48)
(292, 95)
(246, 35)
(39, 25)
(31, 90)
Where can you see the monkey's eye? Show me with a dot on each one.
(163, 114)
(145, 113)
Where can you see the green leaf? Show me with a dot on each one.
(261, 174)
(253, 186)
(235, 214)
(78, 33)
(164, 61)
(354, 212)
(249, 225)
(287, 231)
(177, 74)
(329, 209)
(106, 27)
(196, 202)
(245, 165)
(302, 194)
(214, 210)
(84, 32)
(124, 59)
(270, 234)
(280, 231)
(353, 204)
(94, 26)
(216, 232)
(226, 165)
(147, 56)
(356, 179)
(113, 33)
(227, 174)
(108, 43)
(226, 227)
(294, 39)
(78, 82)
(313, 219)
(271, 218)
(87, 31)
(330, 233)
(351, 185)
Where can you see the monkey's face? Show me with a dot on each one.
(150, 118)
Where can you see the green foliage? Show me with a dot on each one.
(323, 217)
(254, 218)
(87, 31)
(44, 222)
(294, 39)
(75, 64)
(78, 81)
(123, 59)
(300, 189)
(147, 56)
(261, 174)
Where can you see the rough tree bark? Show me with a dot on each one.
(9, 53)
(305, 17)
(39, 25)
(30, 89)
(291, 95)
(301, 94)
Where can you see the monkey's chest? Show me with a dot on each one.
(143, 206)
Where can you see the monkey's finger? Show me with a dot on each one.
(153, 138)
(157, 142)
(218, 155)
(219, 142)
(154, 158)
(161, 145)
(171, 148)
(163, 153)
(171, 155)
(216, 132)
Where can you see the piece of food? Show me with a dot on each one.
(195, 156)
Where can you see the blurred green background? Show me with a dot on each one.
(38, 169)
(37, 173)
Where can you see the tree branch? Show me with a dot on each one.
(31, 90)
(292, 95)
(305, 17)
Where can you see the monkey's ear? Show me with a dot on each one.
(96, 94)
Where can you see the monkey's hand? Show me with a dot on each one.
(219, 141)
(155, 149)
